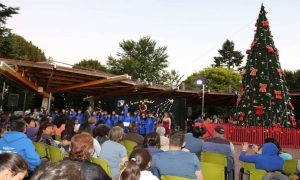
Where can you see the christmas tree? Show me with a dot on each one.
(263, 98)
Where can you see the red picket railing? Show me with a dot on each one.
(287, 137)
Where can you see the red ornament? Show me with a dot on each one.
(242, 116)
(291, 105)
(279, 70)
(253, 44)
(238, 100)
(293, 120)
(270, 49)
(253, 71)
(262, 87)
(278, 94)
(259, 110)
(241, 89)
(248, 51)
(265, 23)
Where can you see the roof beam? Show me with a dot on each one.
(121, 91)
(17, 76)
(91, 83)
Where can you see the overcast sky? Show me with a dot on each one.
(193, 30)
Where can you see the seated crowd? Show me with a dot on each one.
(157, 152)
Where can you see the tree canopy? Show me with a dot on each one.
(141, 59)
(228, 56)
(219, 79)
(91, 64)
(292, 80)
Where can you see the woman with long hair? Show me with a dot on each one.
(166, 123)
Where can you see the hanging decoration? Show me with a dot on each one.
(253, 71)
(265, 23)
(248, 51)
(293, 120)
(270, 49)
(241, 116)
(253, 44)
(291, 105)
(278, 94)
(259, 110)
(262, 87)
(279, 70)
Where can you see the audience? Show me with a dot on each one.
(45, 134)
(164, 141)
(31, 129)
(12, 166)
(81, 147)
(152, 143)
(59, 124)
(218, 144)
(113, 152)
(194, 142)
(176, 162)
(283, 155)
(65, 169)
(268, 160)
(132, 135)
(17, 142)
(101, 133)
(96, 146)
(138, 166)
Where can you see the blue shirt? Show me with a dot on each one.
(19, 143)
(113, 152)
(150, 125)
(176, 163)
(193, 144)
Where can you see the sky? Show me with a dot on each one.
(192, 30)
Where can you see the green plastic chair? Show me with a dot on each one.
(245, 169)
(257, 174)
(212, 171)
(168, 177)
(129, 145)
(215, 158)
(40, 149)
(104, 164)
(54, 154)
(290, 167)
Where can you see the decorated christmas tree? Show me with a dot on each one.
(263, 98)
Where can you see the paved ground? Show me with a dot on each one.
(294, 152)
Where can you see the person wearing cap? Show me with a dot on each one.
(218, 144)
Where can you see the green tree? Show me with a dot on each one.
(263, 98)
(25, 50)
(91, 64)
(292, 80)
(172, 78)
(219, 79)
(228, 56)
(5, 41)
(141, 59)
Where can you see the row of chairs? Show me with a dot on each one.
(289, 167)
(55, 154)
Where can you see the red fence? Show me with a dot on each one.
(287, 137)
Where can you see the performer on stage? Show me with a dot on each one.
(167, 123)
(142, 129)
(143, 108)
(150, 121)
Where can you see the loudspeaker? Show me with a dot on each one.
(13, 100)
